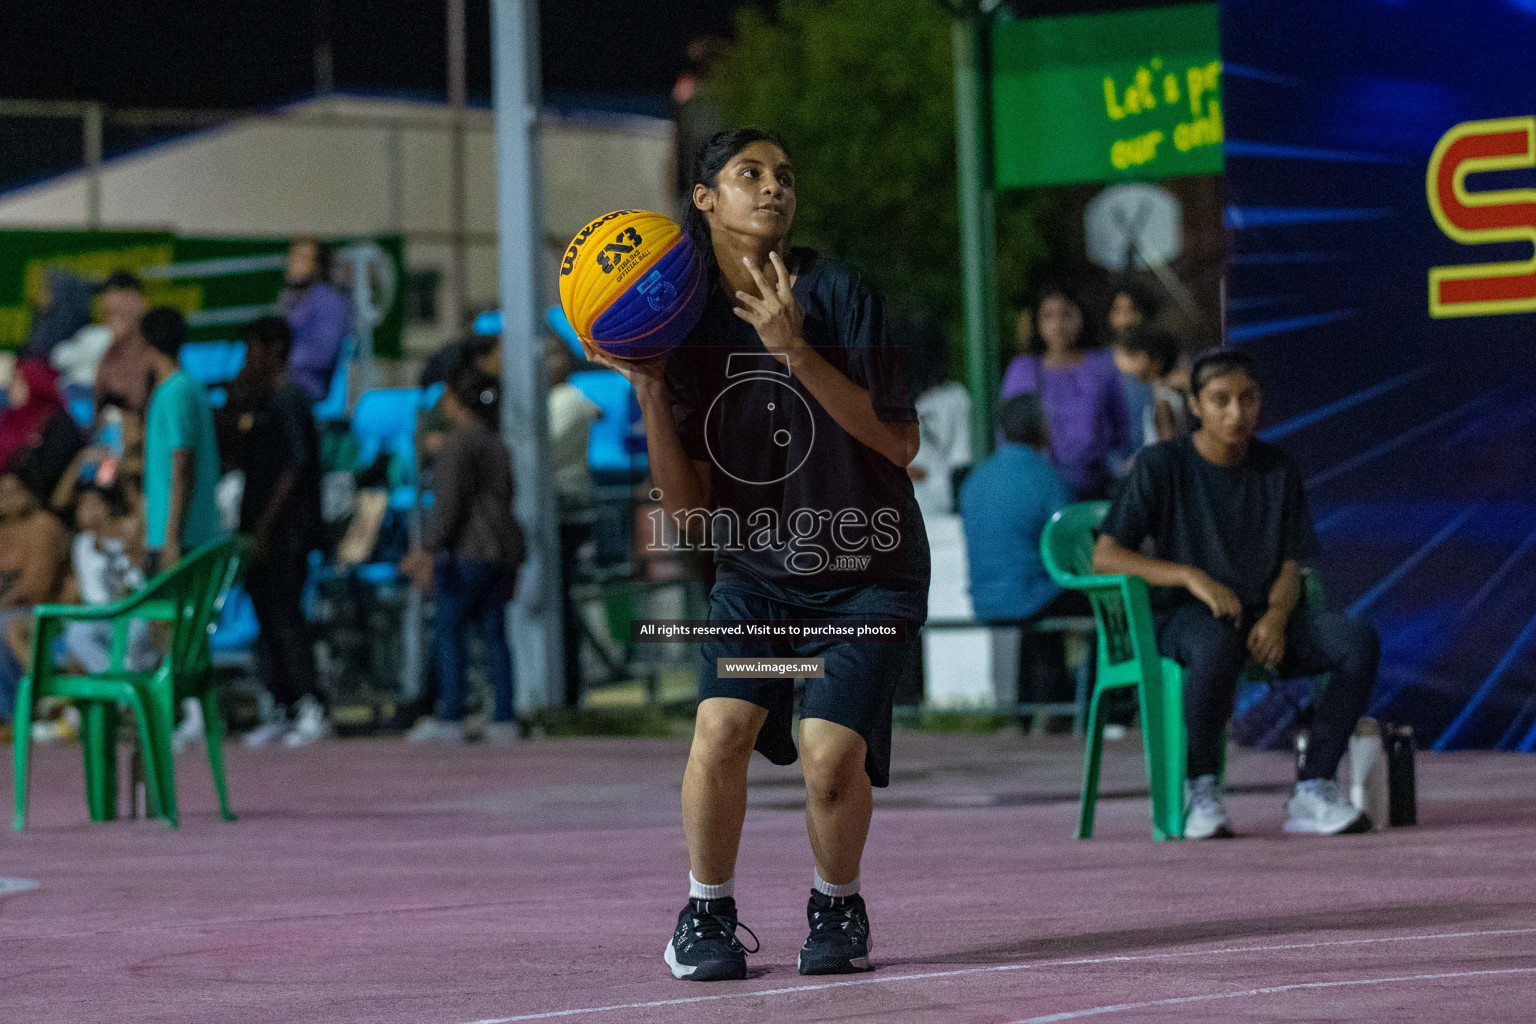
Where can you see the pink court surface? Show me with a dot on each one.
(377, 883)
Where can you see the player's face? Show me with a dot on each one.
(754, 194)
(1228, 407)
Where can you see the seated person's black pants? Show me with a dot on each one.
(1043, 677)
(1213, 654)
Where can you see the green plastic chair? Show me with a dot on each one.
(187, 597)
(1128, 657)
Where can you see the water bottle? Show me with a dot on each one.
(1403, 787)
(1369, 790)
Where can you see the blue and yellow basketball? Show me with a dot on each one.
(632, 284)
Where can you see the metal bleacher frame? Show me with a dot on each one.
(1082, 677)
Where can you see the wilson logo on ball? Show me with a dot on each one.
(569, 263)
(632, 284)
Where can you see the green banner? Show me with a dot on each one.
(219, 283)
(1107, 97)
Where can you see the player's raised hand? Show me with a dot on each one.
(773, 311)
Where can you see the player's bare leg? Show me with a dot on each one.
(838, 804)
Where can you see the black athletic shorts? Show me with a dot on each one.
(861, 676)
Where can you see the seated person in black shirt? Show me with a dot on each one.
(1228, 519)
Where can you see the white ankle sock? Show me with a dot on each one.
(697, 890)
(826, 888)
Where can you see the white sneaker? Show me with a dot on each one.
(190, 730)
(430, 730)
(1318, 807)
(267, 733)
(310, 726)
(500, 734)
(1205, 815)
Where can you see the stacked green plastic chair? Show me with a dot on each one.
(186, 600)
(1127, 658)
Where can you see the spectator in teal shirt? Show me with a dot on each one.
(181, 453)
(1004, 504)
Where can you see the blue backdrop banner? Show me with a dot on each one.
(1381, 216)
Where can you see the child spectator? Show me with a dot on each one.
(107, 557)
(1228, 519)
(115, 456)
(1130, 307)
(279, 453)
(1080, 389)
(1150, 356)
(34, 552)
(470, 555)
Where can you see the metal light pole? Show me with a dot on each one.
(971, 34)
(458, 98)
(536, 620)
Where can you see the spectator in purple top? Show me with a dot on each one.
(1081, 390)
(319, 315)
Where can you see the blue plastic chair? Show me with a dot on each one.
(384, 423)
(616, 444)
(212, 362)
(81, 399)
(237, 627)
(333, 406)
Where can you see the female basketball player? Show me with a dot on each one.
(784, 420)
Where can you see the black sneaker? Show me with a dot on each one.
(839, 939)
(704, 946)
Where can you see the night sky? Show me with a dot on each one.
(241, 53)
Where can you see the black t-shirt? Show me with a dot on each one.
(798, 503)
(283, 436)
(1237, 523)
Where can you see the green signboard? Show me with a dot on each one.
(219, 283)
(1107, 97)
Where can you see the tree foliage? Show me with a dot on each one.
(863, 93)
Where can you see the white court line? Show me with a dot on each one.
(1074, 1014)
(1033, 965)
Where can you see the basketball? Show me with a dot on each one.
(632, 284)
